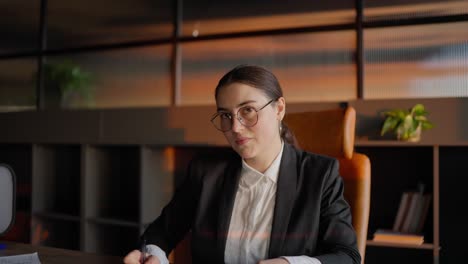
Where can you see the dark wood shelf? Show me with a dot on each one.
(396, 143)
(57, 216)
(390, 143)
(114, 222)
(372, 243)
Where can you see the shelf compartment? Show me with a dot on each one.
(112, 181)
(390, 255)
(55, 232)
(56, 181)
(157, 180)
(110, 239)
(395, 170)
(453, 183)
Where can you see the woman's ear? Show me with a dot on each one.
(280, 108)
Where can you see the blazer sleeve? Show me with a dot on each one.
(176, 217)
(337, 238)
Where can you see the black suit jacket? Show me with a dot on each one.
(310, 217)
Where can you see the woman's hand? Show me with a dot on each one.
(274, 261)
(135, 256)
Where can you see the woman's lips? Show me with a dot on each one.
(242, 141)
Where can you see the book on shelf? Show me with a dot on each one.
(390, 236)
(425, 209)
(412, 212)
(409, 220)
(402, 211)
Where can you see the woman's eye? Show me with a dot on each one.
(225, 116)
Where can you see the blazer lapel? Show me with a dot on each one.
(228, 195)
(285, 196)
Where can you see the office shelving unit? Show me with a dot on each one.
(395, 169)
(399, 166)
(96, 198)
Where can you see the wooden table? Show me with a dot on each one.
(49, 255)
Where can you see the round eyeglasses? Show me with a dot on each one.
(247, 116)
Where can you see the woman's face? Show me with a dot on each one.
(263, 137)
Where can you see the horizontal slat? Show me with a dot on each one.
(399, 245)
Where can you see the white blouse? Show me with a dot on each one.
(249, 231)
(251, 221)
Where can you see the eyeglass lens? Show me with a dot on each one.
(247, 116)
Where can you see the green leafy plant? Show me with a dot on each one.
(406, 124)
(69, 80)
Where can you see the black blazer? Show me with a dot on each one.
(310, 217)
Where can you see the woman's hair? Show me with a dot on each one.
(261, 79)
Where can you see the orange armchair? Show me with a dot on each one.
(331, 133)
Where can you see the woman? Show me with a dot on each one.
(269, 202)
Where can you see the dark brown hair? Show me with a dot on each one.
(259, 78)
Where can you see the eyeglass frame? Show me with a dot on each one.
(237, 116)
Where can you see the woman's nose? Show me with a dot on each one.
(236, 124)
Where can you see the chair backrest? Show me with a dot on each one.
(331, 133)
(7, 198)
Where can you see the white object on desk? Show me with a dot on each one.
(32, 258)
(7, 198)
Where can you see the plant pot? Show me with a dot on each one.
(413, 137)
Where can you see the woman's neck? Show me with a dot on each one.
(263, 161)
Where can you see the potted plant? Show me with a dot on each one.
(406, 124)
(64, 83)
